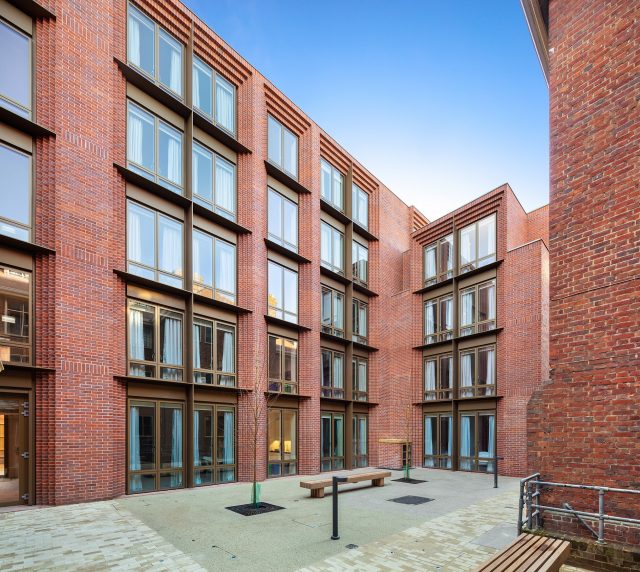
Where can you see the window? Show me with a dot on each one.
(154, 148)
(214, 182)
(15, 63)
(478, 308)
(214, 267)
(360, 206)
(360, 319)
(360, 379)
(332, 441)
(15, 197)
(360, 434)
(282, 147)
(214, 353)
(282, 441)
(331, 185)
(478, 244)
(214, 459)
(154, 245)
(217, 104)
(478, 372)
(438, 377)
(155, 341)
(283, 365)
(477, 442)
(438, 319)
(360, 263)
(147, 43)
(331, 248)
(156, 446)
(332, 374)
(283, 293)
(438, 261)
(15, 324)
(438, 439)
(332, 312)
(283, 220)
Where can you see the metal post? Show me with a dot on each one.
(520, 506)
(495, 472)
(538, 499)
(601, 516)
(336, 480)
(529, 505)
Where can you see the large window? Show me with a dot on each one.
(154, 148)
(360, 321)
(154, 245)
(332, 374)
(438, 439)
(283, 220)
(155, 341)
(156, 446)
(332, 312)
(283, 293)
(438, 261)
(360, 206)
(282, 442)
(15, 325)
(478, 244)
(478, 372)
(478, 308)
(214, 267)
(360, 374)
(282, 147)
(360, 263)
(214, 96)
(214, 182)
(154, 52)
(214, 459)
(283, 365)
(331, 248)
(15, 197)
(15, 63)
(477, 442)
(332, 441)
(360, 441)
(438, 319)
(331, 185)
(438, 377)
(214, 352)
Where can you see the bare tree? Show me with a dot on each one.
(408, 438)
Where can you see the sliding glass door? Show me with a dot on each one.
(214, 426)
(332, 441)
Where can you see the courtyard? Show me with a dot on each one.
(465, 522)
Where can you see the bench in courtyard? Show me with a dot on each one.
(317, 486)
(529, 553)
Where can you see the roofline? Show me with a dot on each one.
(536, 13)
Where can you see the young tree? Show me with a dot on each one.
(408, 438)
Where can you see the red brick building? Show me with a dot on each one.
(584, 426)
(182, 251)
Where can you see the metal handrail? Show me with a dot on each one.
(529, 499)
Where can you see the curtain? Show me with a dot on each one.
(227, 352)
(196, 89)
(174, 160)
(448, 315)
(490, 367)
(196, 345)
(133, 44)
(430, 375)
(135, 481)
(171, 246)
(176, 447)
(338, 371)
(465, 442)
(134, 235)
(224, 104)
(228, 456)
(172, 341)
(465, 247)
(225, 267)
(466, 316)
(430, 319)
(198, 274)
(428, 436)
(325, 243)
(491, 308)
(224, 185)
(467, 376)
(491, 452)
(136, 335)
(175, 81)
(338, 250)
(429, 262)
(196, 446)
(134, 137)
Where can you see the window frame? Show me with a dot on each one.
(356, 394)
(29, 345)
(5, 101)
(440, 460)
(475, 461)
(215, 75)
(215, 374)
(280, 384)
(282, 461)
(212, 291)
(274, 310)
(336, 462)
(331, 391)
(478, 326)
(29, 228)
(356, 191)
(357, 336)
(330, 265)
(441, 274)
(284, 129)
(356, 263)
(440, 393)
(359, 461)
(477, 389)
(213, 206)
(333, 171)
(280, 239)
(478, 262)
(215, 466)
(439, 335)
(330, 327)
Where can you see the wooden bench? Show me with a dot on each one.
(529, 553)
(317, 486)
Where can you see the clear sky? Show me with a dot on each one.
(442, 101)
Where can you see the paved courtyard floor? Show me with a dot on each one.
(466, 521)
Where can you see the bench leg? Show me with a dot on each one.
(317, 493)
(378, 482)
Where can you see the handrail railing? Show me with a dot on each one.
(530, 507)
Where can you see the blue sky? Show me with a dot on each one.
(442, 101)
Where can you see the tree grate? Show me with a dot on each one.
(252, 510)
(411, 499)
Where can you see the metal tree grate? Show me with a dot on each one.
(411, 499)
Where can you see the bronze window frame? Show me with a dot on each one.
(357, 394)
(213, 206)
(359, 460)
(216, 467)
(280, 384)
(214, 78)
(294, 449)
(439, 392)
(280, 239)
(335, 462)
(442, 273)
(281, 166)
(222, 378)
(439, 334)
(28, 228)
(331, 254)
(356, 191)
(331, 390)
(477, 325)
(212, 291)
(477, 261)
(333, 171)
(28, 345)
(477, 389)
(440, 460)
(11, 104)
(357, 335)
(358, 265)
(272, 309)
(475, 461)
(330, 327)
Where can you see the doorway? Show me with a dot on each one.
(14, 456)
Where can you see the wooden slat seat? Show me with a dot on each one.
(317, 486)
(529, 553)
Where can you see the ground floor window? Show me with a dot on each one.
(477, 442)
(156, 446)
(360, 440)
(332, 441)
(438, 439)
(282, 440)
(214, 457)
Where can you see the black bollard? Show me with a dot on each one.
(336, 480)
(495, 473)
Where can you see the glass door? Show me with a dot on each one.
(14, 451)
(332, 441)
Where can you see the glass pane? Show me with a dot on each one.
(326, 368)
(203, 344)
(325, 243)
(275, 215)
(15, 63)
(362, 376)
(142, 437)
(276, 286)
(467, 308)
(430, 436)
(170, 154)
(290, 153)
(171, 480)
(290, 372)
(486, 302)
(226, 186)
(170, 56)
(225, 438)
(468, 436)
(170, 245)
(338, 250)
(445, 435)
(338, 436)
(446, 372)
(226, 267)
(225, 337)
(15, 340)
(325, 436)
(15, 204)
(290, 221)
(430, 262)
(142, 483)
(275, 357)
(430, 317)
(202, 258)
(275, 141)
(202, 172)
(291, 295)
(141, 331)
(289, 434)
(325, 181)
(140, 41)
(338, 371)
(486, 441)
(202, 87)
(487, 237)
(338, 311)
(140, 138)
(446, 314)
(467, 245)
(170, 338)
(486, 366)
(338, 189)
(225, 104)
(326, 307)
(170, 437)
(446, 254)
(362, 435)
(273, 435)
(202, 439)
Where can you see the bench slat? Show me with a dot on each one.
(529, 553)
(317, 486)
(563, 551)
(505, 555)
(527, 559)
